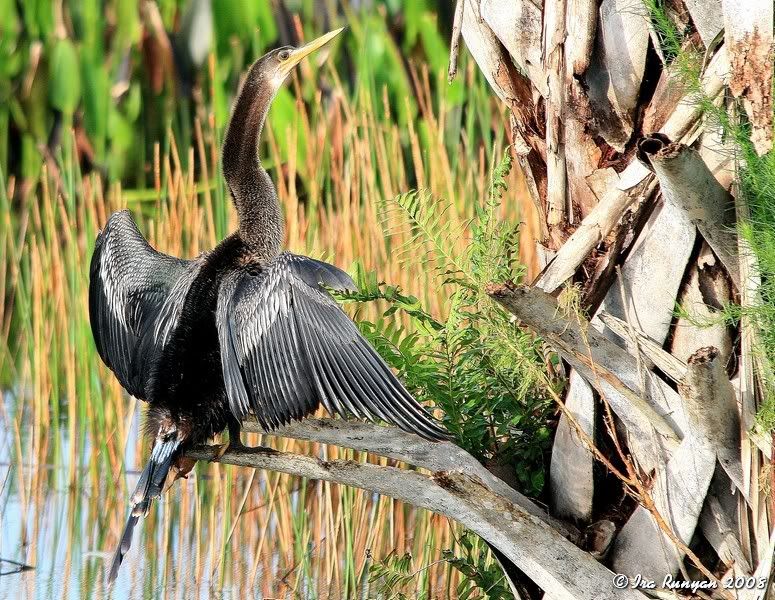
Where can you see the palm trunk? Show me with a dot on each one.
(634, 192)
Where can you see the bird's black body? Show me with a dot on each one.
(187, 379)
(244, 329)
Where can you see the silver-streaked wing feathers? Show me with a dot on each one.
(287, 347)
(136, 295)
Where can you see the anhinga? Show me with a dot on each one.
(243, 329)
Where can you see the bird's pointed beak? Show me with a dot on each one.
(300, 53)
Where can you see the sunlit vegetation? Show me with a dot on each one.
(92, 119)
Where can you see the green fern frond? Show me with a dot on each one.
(431, 232)
(498, 183)
(369, 289)
(474, 560)
(475, 364)
(392, 575)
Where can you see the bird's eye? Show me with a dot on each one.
(284, 55)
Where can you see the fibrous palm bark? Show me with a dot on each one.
(634, 191)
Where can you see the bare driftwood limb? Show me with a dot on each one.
(514, 89)
(601, 220)
(523, 42)
(680, 488)
(615, 74)
(394, 443)
(572, 481)
(763, 571)
(667, 240)
(593, 230)
(582, 154)
(717, 151)
(666, 99)
(606, 366)
(554, 563)
(707, 17)
(642, 300)
(704, 295)
(697, 458)
(648, 304)
(686, 114)
(663, 360)
(712, 409)
(554, 67)
(719, 525)
(687, 182)
(748, 35)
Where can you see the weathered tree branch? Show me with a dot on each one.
(692, 442)
(553, 562)
(593, 230)
(680, 487)
(397, 444)
(606, 366)
(454, 46)
(749, 36)
(608, 212)
(667, 363)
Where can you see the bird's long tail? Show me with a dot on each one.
(149, 487)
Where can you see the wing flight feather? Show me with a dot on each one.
(287, 347)
(136, 295)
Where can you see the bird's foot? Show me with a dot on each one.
(221, 449)
(238, 446)
(235, 437)
(235, 446)
(180, 470)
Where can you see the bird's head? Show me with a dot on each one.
(261, 223)
(275, 66)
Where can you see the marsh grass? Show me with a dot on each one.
(72, 436)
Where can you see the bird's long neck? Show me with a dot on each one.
(260, 216)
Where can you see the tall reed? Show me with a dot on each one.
(71, 431)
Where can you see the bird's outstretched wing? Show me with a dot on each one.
(286, 347)
(136, 295)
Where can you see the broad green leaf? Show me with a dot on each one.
(127, 23)
(96, 103)
(64, 73)
(284, 120)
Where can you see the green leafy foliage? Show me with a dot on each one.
(396, 576)
(482, 575)
(670, 38)
(684, 60)
(84, 59)
(392, 574)
(65, 87)
(757, 184)
(474, 363)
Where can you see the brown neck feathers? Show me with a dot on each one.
(260, 217)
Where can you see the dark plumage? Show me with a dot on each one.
(242, 329)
